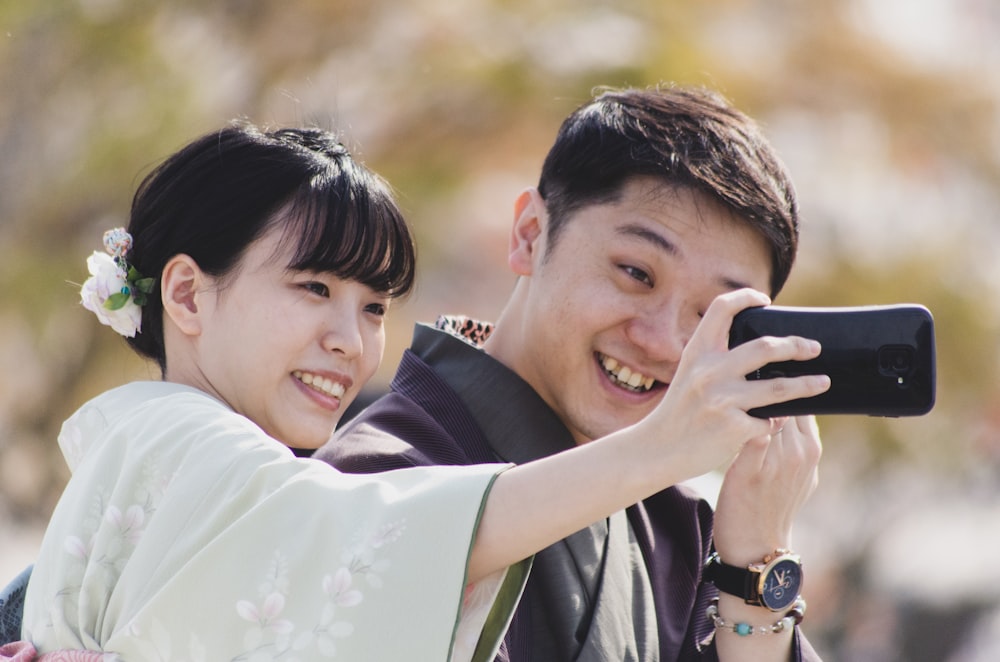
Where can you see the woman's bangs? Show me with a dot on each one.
(363, 238)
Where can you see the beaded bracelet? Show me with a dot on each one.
(788, 621)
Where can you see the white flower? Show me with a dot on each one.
(107, 279)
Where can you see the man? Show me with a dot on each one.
(651, 204)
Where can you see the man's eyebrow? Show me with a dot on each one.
(645, 234)
(667, 246)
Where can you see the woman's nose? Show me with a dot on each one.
(343, 335)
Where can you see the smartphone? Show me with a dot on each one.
(880, 359)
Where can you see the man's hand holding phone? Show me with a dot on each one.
(702, 421)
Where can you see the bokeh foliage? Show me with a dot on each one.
(896, 160)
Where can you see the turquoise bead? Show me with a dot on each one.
(743, 629)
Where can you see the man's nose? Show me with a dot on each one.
(663, 332)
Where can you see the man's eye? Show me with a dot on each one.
(376, 309)
(317, 288)
(638, 274)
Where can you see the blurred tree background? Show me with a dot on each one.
(886, 112)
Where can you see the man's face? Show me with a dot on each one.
(604, 316)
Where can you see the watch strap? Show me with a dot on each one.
(730, 579)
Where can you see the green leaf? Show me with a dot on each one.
(116, 301)
(143, 285)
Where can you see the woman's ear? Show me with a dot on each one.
(179, 286)
(530, 219)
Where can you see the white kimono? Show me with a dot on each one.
(186, 533)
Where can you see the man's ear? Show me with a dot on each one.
(179, 286)
(530, 219)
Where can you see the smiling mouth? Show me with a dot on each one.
(624, 376)
(324, 385)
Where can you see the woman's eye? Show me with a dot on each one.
(317, 288)
(376, 309)
(637, 274)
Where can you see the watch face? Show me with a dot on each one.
(781, 584)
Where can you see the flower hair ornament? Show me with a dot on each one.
(116, 291)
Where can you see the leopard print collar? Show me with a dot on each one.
(471, 331)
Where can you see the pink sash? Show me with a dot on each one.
(23, 651)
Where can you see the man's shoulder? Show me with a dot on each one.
(394, 432)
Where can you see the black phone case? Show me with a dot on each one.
(880, 359)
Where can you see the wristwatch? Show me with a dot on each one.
(775, 583)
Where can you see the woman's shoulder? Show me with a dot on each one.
(144, 410)
(145, 400)
(144, 393)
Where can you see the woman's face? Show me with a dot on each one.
(288, 349)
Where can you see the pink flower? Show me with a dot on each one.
(339, 588)
(129, 523)
(78, 548)
(266, 616)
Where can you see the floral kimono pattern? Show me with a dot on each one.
(187, 534)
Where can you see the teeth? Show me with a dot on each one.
(321, 384)
(624, 375)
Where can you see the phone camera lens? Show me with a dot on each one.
(896, 360)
